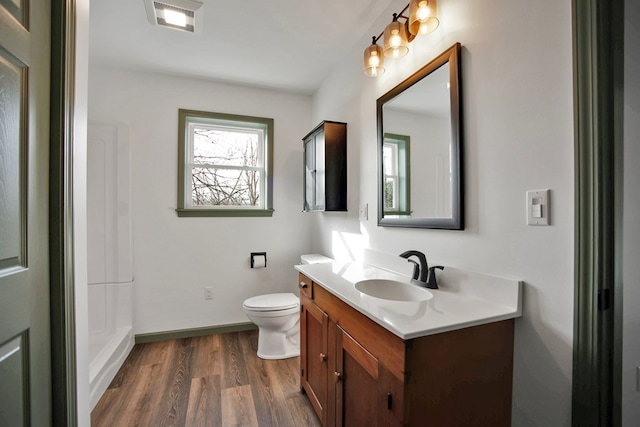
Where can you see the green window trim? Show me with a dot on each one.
(241, 213)
(403, 142)
(184, 117)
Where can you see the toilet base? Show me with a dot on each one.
(274, 345)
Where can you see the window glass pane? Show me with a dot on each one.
(225, 165)
(225, 187)
(390, 194)
(390, 158)
(220, 146)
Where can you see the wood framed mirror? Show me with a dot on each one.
(420, 174)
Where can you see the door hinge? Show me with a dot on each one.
(389, 401)
(604, 299)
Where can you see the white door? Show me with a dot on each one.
(25, 378)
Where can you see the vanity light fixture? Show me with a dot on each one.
(423, 16)
(396, 44)
(422, 19)
(373, 60)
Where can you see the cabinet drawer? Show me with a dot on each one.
(305, 285)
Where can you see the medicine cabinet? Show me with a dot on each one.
(325, 167)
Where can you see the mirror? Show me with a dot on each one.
(420, 148)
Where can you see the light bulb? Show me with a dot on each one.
(173, 17)
(395, 39)
(374, 59)
(423, 11)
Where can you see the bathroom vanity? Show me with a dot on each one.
(438, 357)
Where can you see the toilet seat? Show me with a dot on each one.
(272, 302)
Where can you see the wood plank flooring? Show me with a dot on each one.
(215, 380)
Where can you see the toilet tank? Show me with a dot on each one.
(314, 259)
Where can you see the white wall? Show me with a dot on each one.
(175, 258)
(631, 227)
(518, 136)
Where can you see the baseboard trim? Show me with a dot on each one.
(193, 332)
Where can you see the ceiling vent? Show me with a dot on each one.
(183, 15)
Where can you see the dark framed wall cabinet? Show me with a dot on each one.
(325, 168)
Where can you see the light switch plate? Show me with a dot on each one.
(538, 208)
(363, 213)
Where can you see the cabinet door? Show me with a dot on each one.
(314, 325)
(391, 399)
(356, 383)
(309, 174)
(321, 170)
(314, 172)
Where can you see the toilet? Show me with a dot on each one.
(277, 317)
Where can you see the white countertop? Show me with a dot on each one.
(463, 299)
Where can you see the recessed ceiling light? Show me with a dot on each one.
(181, 15)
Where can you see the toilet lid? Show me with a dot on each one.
(272, 302)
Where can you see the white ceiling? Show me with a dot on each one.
(289, 45)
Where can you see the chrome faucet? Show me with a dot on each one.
(421, 270)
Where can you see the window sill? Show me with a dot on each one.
(398, 213)
(239, 213)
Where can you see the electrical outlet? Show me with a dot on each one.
(208, 292)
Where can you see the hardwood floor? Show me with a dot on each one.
(215, 380)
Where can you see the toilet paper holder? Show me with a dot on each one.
(258, 254)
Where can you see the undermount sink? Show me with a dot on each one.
(393, 290)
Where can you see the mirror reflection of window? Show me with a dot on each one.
(396, 168)
(390, 153)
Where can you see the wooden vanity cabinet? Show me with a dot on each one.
(361, 398)
(314, 327)
(346, 384)
(355, 372)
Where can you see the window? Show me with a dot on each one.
(391, 178)
(395, 163)
(225, 165)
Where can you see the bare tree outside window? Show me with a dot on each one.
(226, 170)
(225, 165)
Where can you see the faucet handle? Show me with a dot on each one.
(432, 281)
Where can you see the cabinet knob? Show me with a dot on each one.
(337, 376)
(303, 285)
(323, 357)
